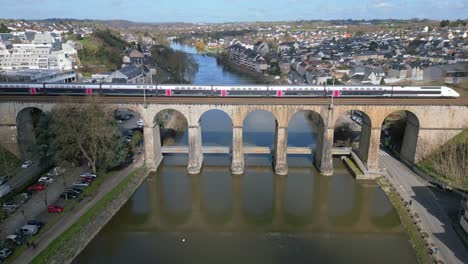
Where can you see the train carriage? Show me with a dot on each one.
(71, 89)
(128, 90)
(22, 88)
(241, 90)
(184, 90)
(296, 91)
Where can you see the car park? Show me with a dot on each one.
(16, 239)
(26, 164)
(27, 230)
(5, 253)
(88, 175)
(45, 180)
(39, 224)
(36, 187)
(54, 209)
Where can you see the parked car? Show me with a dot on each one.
(39, 224)
(26, 164)
(4, 190)
(52, 174)
(36, 187)
(5, 253)
(27, 230)
(81, 184)
(55, 209)
(73, 191)
(88, 175)
(89, 180)
(23, 197)
(67, 196)
(45, 180)
(10, 205)
(16, 239)
(140, 123)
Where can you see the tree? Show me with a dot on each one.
(444, 23)
(87, 132)
(4, 29)
(382, 81)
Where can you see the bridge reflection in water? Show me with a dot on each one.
(304, 201)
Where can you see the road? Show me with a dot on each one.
(434, 219)
(72, 216)
(36, 205)
(242, 100)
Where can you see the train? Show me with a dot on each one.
(168, 90)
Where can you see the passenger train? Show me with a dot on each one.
(166, 90)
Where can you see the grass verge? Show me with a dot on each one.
(416, 237)
(61, 241)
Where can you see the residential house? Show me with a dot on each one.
(262, 48)
(448, 73)
(128, 74)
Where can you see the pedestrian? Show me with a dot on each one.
(410, 202)
(34, 245)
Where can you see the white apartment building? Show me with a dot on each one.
(33, 56)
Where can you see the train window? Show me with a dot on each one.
(200, 88)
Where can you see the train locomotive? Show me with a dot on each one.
(168, 90)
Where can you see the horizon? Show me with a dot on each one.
(235, 11)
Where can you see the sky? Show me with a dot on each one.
(232, 10)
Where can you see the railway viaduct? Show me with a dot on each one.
(430, 123)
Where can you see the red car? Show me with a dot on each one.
(55, 209)
(36, 187)
(87, 179)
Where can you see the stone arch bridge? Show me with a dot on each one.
(430, 123)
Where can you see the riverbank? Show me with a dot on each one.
(64, 237)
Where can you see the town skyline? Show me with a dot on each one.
(232, 11)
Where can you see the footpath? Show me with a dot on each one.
(72, 216)
(433, 218)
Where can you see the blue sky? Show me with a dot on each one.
(232, 10)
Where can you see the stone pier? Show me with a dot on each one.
(237, 166)
(195, 150)
(280, 152)
(153, 154)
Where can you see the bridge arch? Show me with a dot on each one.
(27, 120)
(216, 127)
(353, 128)
(400, 134)
(173, 125)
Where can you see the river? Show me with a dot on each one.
(259, 217)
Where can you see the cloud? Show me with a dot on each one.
(382, 4)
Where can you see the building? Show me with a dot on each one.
(448, 73)
(128, 74)
(247, 58)
(41, 76)
(45, 52)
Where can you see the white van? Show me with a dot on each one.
(28, 230)
(4, 190)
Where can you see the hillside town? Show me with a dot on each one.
(324, 56)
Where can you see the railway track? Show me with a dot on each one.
(239, 100)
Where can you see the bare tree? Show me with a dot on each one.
(86, 131)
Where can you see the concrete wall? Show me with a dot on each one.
(437, 124)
